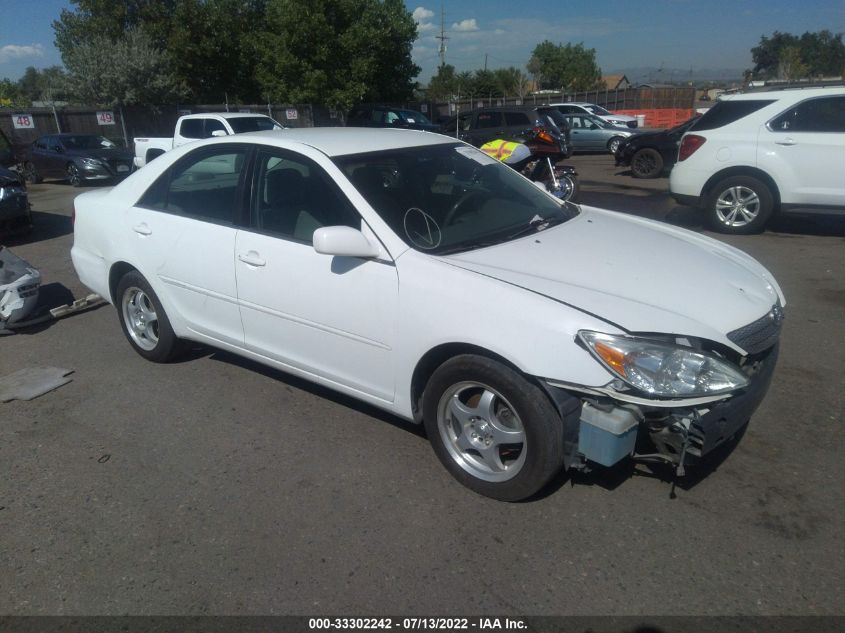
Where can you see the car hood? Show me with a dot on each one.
(640, 275)
(8, 177)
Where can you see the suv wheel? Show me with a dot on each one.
(739, 205)
(646, 163)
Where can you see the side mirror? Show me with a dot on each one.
(343, 241)
(593, 126)
(219, 133)
(58, 149)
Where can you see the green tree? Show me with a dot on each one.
(126, 71)
(10, 95)
(790, 66)
(819, 54)
(485, 84)
(336, 52)
(43, 85)
(512, 82)
(571, 67)
(444, 84)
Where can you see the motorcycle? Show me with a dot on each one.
(536, 158)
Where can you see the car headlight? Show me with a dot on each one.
(91, 162)
(663, 369)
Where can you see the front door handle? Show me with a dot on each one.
(786, 141)
(252, 259)
(142, 229)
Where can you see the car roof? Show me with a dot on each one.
(798, 94)
(225, 115)
(575, 103)
(341, 141)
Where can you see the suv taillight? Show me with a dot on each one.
(689, 146)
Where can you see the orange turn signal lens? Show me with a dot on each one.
(613, 357)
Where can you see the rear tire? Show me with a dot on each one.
(144, 321)
(30, 175)
(739, 205)
(646, 163)
(494, 431)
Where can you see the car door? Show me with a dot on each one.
(183, 232)
(583, 138)
(804, 149)
(37, 155)
(331, 317)
(488, 126)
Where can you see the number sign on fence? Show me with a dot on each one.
(23, 121)
(105, 118)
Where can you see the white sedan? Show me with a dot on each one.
(417, 274)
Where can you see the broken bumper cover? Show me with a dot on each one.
(19, 285)
(608, 426)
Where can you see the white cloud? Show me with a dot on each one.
(422, 14)
(13, 51)
(422, 27)
(465, 25)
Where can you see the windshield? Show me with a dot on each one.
(597, 110)
(86, 142)
(409, 116)
(241, 125)
(450, 198)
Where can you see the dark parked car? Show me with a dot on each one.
(15, 216)
(650, 154)
(79, 158)
(481, 126)
(387, 116)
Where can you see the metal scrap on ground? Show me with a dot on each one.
(32, 382)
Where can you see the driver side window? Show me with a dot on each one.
(295, 197)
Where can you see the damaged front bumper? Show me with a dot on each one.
(604, 426)
(19, 286)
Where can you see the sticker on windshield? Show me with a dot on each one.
(477, 155)
(422, 229)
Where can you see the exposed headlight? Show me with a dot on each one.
(91, 162)
(663, 369)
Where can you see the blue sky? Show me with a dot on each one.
(676, 34)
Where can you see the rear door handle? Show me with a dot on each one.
(786, 141)
(142, 229)
(252, 259)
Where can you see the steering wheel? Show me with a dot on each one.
(462, 206)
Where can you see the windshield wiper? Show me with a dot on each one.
(536, 225)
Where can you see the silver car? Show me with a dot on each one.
(591, 134)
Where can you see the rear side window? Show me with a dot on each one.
(204, 185)
(517, 119)
(826, 114)
(191, 128)
(489, 119)
(726, 112)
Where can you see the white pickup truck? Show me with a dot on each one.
(193, 127)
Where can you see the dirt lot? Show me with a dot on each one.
(216, 486)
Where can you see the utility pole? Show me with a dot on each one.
(485, 62)
(442, 37)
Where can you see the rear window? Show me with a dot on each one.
(517, 118)
(726, 112)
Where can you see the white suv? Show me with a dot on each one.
(755, 153)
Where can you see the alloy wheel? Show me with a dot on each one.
(737, 206)
(140, 318)
(481, 431)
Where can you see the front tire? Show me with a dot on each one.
(646, 163)
(143, 319)
(739, 205)
(493, 430)
(613, 144)
(74, 177)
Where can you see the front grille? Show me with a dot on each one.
(760, 334)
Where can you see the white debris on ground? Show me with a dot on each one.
(19, 284)
(32, 382)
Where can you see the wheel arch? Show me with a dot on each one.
(438, 355)
(116, 273)
(730, 172)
